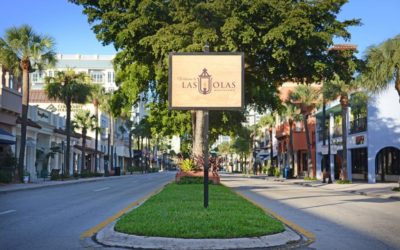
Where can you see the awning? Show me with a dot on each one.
(6, 138)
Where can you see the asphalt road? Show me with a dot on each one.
(338, 220)
(55, 217)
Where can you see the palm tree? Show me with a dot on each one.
(96, 96)
(106, 105)
(291, 114)
(332, 90)
(68, 87)
(270, 122)
(306, 98)
(84, 121)
(128, 127)
(382, 65)
(32, 52)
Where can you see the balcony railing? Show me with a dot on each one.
(358, 125)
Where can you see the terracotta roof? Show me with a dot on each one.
(39, 96)
(29, 123)
(343, 47)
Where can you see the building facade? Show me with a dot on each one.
(373, 139)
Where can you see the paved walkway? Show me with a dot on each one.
(380, 190)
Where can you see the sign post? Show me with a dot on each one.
(206, 81)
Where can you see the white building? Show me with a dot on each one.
(101, 71)
(373, 139)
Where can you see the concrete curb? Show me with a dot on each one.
(382, 196)
(109, 237)
(63, 183)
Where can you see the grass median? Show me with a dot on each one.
(178, 212)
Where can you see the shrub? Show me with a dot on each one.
(187, 165)
(55, 174)
(270, 171)
(343, 182)
(264, 170)
(310, 178)
(397, 189)
(193, 180)
(277, 172)
(5, 176)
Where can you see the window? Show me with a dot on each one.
(359, 160)
(97, 76)
(34, 77)
(110, 77)
(51, 73)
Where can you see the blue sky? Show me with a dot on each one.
(66, 23)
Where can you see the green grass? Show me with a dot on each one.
(178, 212)
(343, 182)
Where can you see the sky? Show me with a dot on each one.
(65, 22)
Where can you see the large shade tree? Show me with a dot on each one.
(282, 40)
(68, 87)
(32, 52)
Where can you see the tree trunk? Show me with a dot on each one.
(68, 132)
(291, 153)
(198, 135)
(344, 101)
(83, 167)
(108, 146)
(112, 142)
(309, 162)
(96, 144)
(130, 148)
(271, 149)
(25, 65)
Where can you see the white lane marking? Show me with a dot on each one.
(101, 189)
(8, 211)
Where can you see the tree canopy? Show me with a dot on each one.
(282, 40)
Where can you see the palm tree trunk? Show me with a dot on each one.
(344, 102)
(112, 142)
(96, 144)
(83, 158)
(130, 148)
(25, 65)
(291, 154)
(68, 132)
(309, 163)
(271, 149)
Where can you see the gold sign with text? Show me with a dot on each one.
(206, 81)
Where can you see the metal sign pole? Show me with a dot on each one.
(206, 161)
(205, 145)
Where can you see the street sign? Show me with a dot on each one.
(206, 81)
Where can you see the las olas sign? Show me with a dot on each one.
(206, 81)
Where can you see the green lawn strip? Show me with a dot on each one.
(178, 212)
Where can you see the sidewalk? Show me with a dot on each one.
(377, 190)
(7, 188)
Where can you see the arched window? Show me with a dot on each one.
(388, 161)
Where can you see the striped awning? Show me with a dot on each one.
(6, 138)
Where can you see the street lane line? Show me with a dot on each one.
(89, 233)
(101, 189)
(8, 211)
(310, 236)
